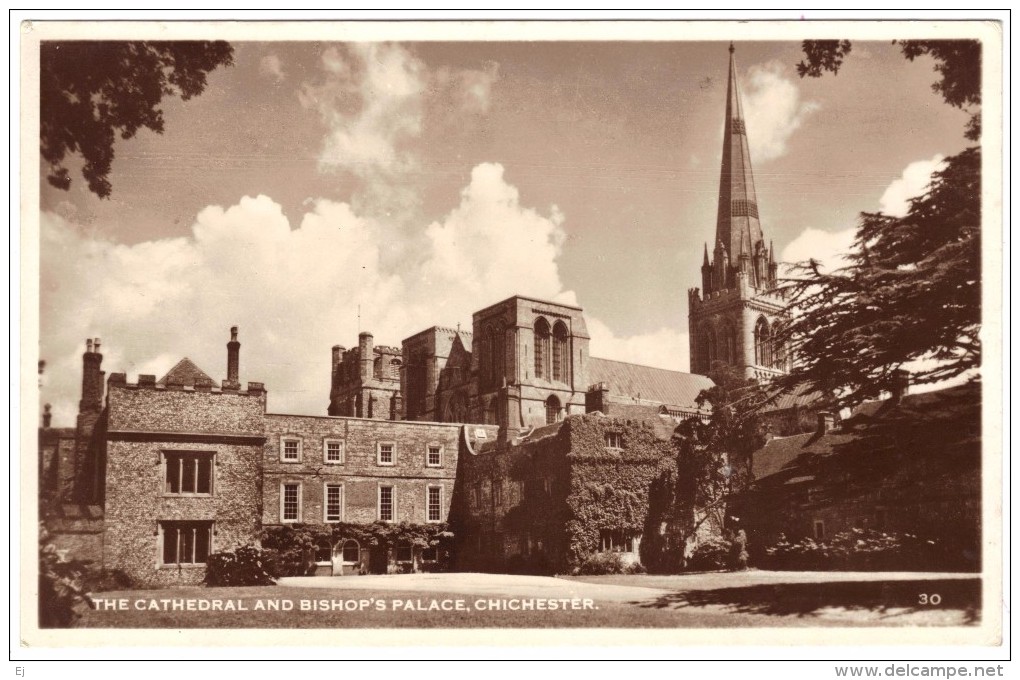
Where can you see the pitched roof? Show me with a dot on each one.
(916, 424)
(185, 372)
(647, 384)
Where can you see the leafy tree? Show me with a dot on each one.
(958, 62)
(912, 288)
(713, 456)
(911, 291)
(91, 90)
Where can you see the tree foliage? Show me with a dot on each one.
(911, 291)
(958, 62)
(92, 90)
(713, 456)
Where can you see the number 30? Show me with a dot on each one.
(934, 599)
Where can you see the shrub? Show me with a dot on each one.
(856, 550)
(711, 554)
(603, 563)
(636, 568)
(102, 580)
(61, 586)
(245, 566)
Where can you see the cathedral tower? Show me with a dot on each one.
(734, 315)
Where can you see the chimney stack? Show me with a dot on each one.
(337, 351)
(233, 357)
(47, 416)
(826, 422)
(91, 378)
(366, 356)
(900, 384)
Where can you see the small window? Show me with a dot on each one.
(616, 540)
(434, 504)
(188, 474)
(290, 502)
(386, 504)
(186, 542)
(333, 502)
(404, 552)
(476, 493)
(351, 553)
(614, 440)
(819, 529)
(547, 485)
(290, 449)
(430, 554)
(497, 493)
(386, 453)
(333, 451)
(434, 456)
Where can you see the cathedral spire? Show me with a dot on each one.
(738, 206)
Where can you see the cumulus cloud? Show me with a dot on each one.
(385, 83)
(913, 182)
(773, 110)
(830, 248)
(297, 289)
(664, 348)
(271, 66)
(294, 292)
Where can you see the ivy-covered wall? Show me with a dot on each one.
(540, 505)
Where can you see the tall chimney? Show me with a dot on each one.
(233, 356)
(47, 416)
(900, 383)
(826, 421)
(366, 356)
(91, 378)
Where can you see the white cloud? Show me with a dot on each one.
(827, 247)
(271, 66)
(387, 84)
(294, 292)
(913, 182)
(664, 348)
(773, 110)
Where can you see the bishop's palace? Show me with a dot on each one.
(536, 454)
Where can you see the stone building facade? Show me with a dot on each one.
(365, 381)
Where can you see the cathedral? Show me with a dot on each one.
(735, 314)
(536, 452)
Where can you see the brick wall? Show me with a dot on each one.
(360, 473)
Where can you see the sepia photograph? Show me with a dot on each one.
(603, 331)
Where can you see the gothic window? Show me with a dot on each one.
(561, 352)
(762, 343)
(704, 352)
(543, 336)
(731, 344)
(552, 410)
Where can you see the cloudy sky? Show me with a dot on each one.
(420, 182)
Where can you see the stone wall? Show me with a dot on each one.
(147, 423)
